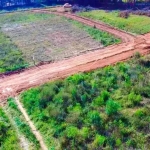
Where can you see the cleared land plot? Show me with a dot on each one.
(135, 24)
(46, 37)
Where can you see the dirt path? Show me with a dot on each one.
(30, 123)
(126, 37)
(12, 85)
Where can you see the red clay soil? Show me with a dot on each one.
(14, 84)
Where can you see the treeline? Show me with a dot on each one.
(95, 3)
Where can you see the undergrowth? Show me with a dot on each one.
(21, 124)
(8, 135)
(104, 109)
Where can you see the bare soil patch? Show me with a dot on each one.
(49, 40)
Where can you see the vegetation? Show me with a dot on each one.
(104, 38)
(103, 109)
(22, 17)
(21, 124)
(10, 56)
(134, 23)
(8, 136)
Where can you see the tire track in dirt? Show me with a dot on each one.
(14, 84)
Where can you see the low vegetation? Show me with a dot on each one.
(10, 57)
(103, 109)
(8, 135)
(21, 125)
(134, 23)
(104, 38)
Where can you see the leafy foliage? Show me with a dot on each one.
(8, 136)
(20, 123)
(107, 108)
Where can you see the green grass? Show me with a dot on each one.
(23, 17)
(10, 56)
(8, 135)
(104, 38)
(21, 124)
(104, 109)
(135, 24)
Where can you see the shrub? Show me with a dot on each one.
(118, 142)
(72, 132)
(124, 14)
(112, 107)
(99, 140)
(94, 118)
(134, 99)
(99, 101)
(139, 113)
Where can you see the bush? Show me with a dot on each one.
(134, 99)
(124, 14)
(99, 140)
(94, 118)
(71, 132)
(112, 107)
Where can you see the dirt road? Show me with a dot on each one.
(12, 85)
(126, 37)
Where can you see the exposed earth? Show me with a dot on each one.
(16, 83)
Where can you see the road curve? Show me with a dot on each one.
(14, 84)
(124, 36)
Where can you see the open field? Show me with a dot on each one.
(107, 108)
(135, 24)
(44, 38)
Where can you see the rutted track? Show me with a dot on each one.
(12, 85)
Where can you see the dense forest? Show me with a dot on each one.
(104, 109)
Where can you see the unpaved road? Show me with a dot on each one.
(126, 37)
(14, 84)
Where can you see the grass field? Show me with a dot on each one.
(135, 24)
(29, 38)
(105, 109)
